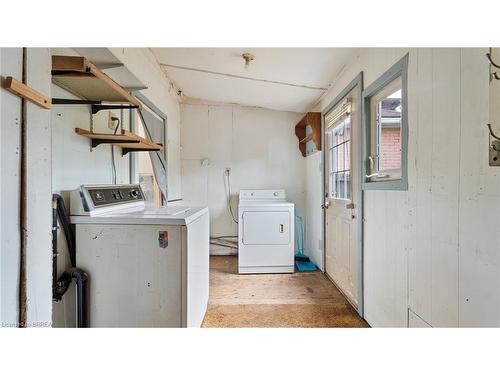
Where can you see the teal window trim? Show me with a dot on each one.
(400, 69)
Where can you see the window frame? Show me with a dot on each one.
(157, 194)
(133, 128)
(398, 70)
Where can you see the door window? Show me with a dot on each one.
(338, 123)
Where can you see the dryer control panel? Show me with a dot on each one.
(262, 194)
(94, 199)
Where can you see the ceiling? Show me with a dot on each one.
(287, 79)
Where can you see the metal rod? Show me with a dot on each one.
(74, 101)
(96, 104)
(97, 142)
(99, 107)
(125, 151)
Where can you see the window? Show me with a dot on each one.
(338, 127)
(385, 126)
(150, 168)
(144, 171)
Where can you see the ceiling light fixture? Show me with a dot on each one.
(248, 57)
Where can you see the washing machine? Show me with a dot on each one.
(146, 267)
(266, 232)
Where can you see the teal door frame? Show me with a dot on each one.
(356, 83)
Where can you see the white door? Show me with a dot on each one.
(342, 194)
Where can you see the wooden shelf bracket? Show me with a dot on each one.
(97, 142)
(96, 105)
(125, 150)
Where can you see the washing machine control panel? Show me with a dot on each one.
(90, 200)
(114, 194)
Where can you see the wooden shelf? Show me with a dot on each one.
(313, 120)
(20, 89)
(82, 78)
(128, 141)
(307, 138)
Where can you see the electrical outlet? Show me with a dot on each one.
(112, 123)
(227, 171)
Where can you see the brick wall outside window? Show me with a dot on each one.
(390, 151)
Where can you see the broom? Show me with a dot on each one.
(302, 261)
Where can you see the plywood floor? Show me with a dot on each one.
(275, 300)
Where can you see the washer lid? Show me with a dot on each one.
(171, 215)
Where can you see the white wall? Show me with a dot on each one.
(37, 235)
(260, 147)
(10, 116)
(314, 214)
(479, 197)
(435, 247)
(74, 163)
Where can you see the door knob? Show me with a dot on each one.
(325, 205)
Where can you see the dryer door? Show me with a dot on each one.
(266, 228)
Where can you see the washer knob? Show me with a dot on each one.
(275, 193)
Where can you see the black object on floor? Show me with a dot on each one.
(301, 257)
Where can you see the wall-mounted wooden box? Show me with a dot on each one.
(309, 129)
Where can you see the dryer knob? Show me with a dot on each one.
(275, 193)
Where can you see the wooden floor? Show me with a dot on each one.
(274, 300)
